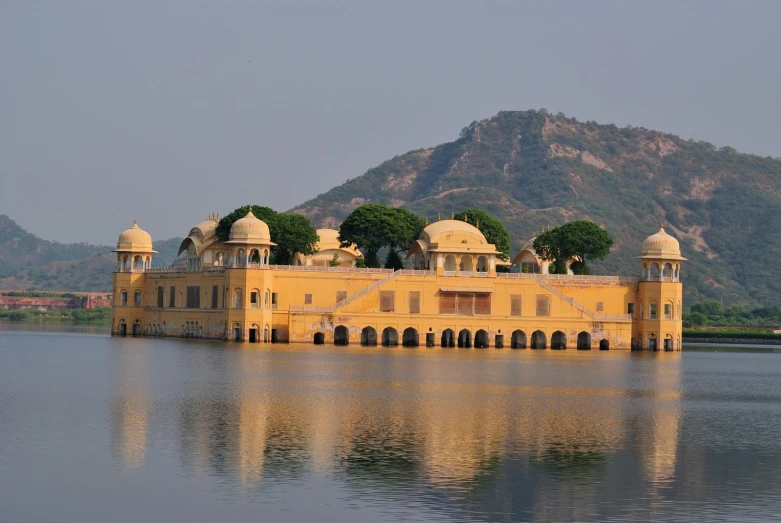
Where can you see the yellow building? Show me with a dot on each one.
(452, 297)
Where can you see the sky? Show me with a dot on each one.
(165, 111)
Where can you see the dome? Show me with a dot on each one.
(329, 240)
(250, 230)
(661, 245)
(135, 239)
(441, 230)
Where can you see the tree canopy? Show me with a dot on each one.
(581, 240)
(373, 226)
(292, 233)
(493, 230)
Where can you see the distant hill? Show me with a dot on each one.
(533, 169)
(29, 262)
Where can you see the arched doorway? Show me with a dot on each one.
(448, 338)
(450, 265)
(668, 343)
(369, 337)
(604, 345)
(464, 339)
(481, 339)
(465, 268)
(558, 341)
(341, 335)
(518, 340)
(319, 338)
(409, 338)
(390, 338)
(584, 341)
(122, 328)
(482, 265)
(539, 340)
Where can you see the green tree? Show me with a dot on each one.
(373, 226)
(334, 261)
(493, 230)
(360, 262)
(293, 233)
(393, 261)
(581, 240)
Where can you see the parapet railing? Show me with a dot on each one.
(568, 277)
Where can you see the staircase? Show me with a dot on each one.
(364, 291)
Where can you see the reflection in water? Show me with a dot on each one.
(130, 408)
(390, 421)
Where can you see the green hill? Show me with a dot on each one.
(28, 262)
(533, 169)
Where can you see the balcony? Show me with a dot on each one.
(450, 273)
(481, 274)
(466, 274)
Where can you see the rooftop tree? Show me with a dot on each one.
(581, 240)
(373, 226)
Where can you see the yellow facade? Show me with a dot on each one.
(452, 297)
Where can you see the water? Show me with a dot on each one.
(94, 428)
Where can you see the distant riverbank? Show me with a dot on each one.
(732, 336)
(96, 316)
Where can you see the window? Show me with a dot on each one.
(237, 299)
(341, 296)
(123, 298)
(215, 296)
(137, 299)
(465, 304)
(160, 297)
(253, 300)
(652, 311)
(265, 300)
(483, 304)
(414, 302)
(193, 297)
(387, 301)
(447, 303)
(630, 309)
(543, 305)
(273, 300)
(668, 311)
(307, 299)
(515, 305)
(172, 297)
(600, 306)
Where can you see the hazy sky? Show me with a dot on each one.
(166, 111)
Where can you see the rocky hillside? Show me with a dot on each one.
(533, 169)
(28, 262)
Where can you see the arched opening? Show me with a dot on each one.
(137, 299)
(655, 271)
(409, 338)
(584, 341)
(450, 264)
(254, 299)
(236, 331)
(518, 340)
(254, 256)
(341, 335)
(667, 271)
(138, 263)
(122, 328)
(539, 340)
(253, 333)
(369, 337)
(238, 302)
(466, 266)
(668, 343)
(499, 341)
(482, 265)
(558, 341)
(266, 334)
(319, 338)
(219, 261)
(390, 338)
(604, 344)
(481, 339)
(464, 339)
(448, 338)
(652, 342)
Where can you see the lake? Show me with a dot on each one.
(94, 428)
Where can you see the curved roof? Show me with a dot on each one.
(329, 240)
(661, 245)
(451, 236)
(134, 239)
(202, 235)
(527, 246)
(250, 230)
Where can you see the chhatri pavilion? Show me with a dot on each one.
(452, 296)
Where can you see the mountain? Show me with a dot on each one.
(29, 262)
(534, 169)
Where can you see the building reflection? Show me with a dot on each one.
(411, 423)
(130, 409)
